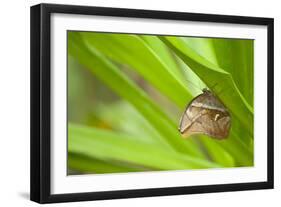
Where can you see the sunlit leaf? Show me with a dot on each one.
(105, 145)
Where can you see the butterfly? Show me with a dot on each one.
(205, 114)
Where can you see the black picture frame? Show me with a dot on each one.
(41, 99)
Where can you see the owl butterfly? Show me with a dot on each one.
(205, 114)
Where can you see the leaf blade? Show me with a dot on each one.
(217, 79)
(109, 74)
(104, 145)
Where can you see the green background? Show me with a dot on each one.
(126, 94)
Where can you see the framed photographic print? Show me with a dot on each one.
(133, 103)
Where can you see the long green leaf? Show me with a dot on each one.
(217, 152)
(224, 52)
(135, 52)
(123, 117)
(164, 54)
(122, 85)
(81, 163)
(236, 57)
(105, 145)
(220, 81)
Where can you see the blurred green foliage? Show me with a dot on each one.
(126, 94)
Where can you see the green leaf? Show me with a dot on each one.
(125, 118)
(137, 127)
(221, 151)
(84, 164)
(217, 79)
(236, 57)
(203, 46)
(217, 153)
(105, 145)
(164, 54)
(126, 88)
(142, 57)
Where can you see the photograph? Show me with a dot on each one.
(146, 102)
(129, 103)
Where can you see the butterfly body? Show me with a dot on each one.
(205, 114)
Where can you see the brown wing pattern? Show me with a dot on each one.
(206, 115)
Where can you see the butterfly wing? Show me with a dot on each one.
(215, 124)
(187, 121)
(205, 115)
